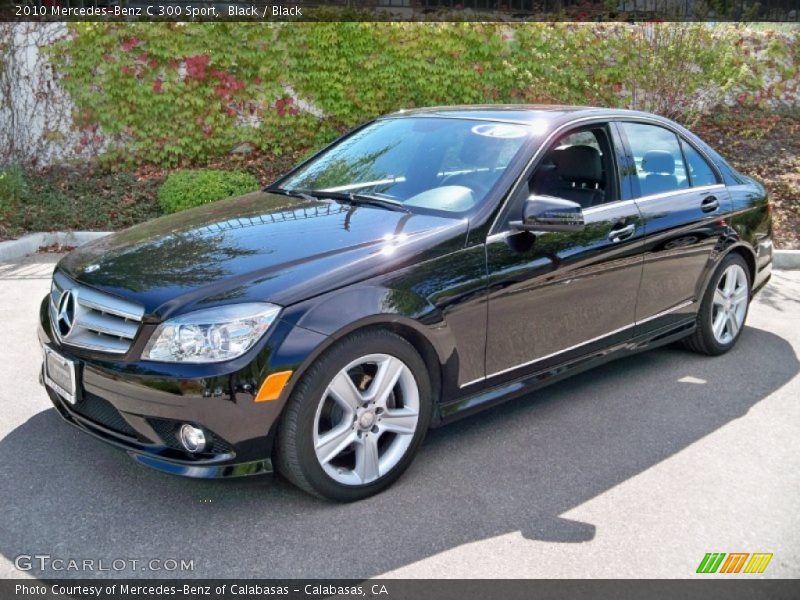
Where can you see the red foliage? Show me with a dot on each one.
(129, 44)
(196, 66)
(284, 106)
(157, 85)
(228, 84)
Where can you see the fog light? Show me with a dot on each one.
(192, 438)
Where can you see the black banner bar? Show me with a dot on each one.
(742, 587)
(399, 10)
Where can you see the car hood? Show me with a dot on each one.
(257, 247)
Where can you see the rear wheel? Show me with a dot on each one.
(356, 419)
(724, 308)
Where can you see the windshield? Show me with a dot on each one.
(432, 163)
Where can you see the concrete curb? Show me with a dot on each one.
(786, 259)
(29, 244)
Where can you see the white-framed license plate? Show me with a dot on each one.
(60, 375)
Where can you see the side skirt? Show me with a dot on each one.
(529, 382)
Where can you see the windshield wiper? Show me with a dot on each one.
(354, 198)
(292, 193)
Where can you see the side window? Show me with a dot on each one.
(577, 167)
(700, 172)
(658, 157)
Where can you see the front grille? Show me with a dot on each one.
(90, 319)
(168, 431)
(101, 411)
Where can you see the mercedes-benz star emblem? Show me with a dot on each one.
(66, 313)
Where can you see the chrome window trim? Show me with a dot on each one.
(495, 237)
(661, 195)
(584, 343)
(601, 207)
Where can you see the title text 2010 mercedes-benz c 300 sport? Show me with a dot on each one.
(426, 265)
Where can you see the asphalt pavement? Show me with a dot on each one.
(635, 469)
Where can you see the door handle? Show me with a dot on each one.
(621, 233)
(709, 204)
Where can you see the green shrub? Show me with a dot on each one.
(188, 188)
(13, 189)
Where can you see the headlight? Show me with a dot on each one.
(211, 335)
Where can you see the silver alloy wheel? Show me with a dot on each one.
(730, 304)
(366, 419)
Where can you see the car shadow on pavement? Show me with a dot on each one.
(516, 467)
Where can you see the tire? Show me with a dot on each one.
(725, 301)
(349, 429)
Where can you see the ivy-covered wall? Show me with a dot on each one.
(185, 93)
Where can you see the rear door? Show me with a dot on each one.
(683, 203)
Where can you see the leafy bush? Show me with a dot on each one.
(188, 188)
(13, 189)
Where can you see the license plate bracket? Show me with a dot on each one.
(61, 375)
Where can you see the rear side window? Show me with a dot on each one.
(658, 157)
(700, 172)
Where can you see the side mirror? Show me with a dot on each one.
(548, 213)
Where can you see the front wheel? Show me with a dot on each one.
(357, 417)
(724, 308)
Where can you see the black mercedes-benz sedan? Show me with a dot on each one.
(428, 264)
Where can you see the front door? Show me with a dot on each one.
(554, 296)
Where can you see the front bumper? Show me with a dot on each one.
(139, 406)
(157, 455)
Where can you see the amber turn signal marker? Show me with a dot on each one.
(272, 386)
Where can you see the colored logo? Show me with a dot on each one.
(735, 562)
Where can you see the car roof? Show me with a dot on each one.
(523, 114)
